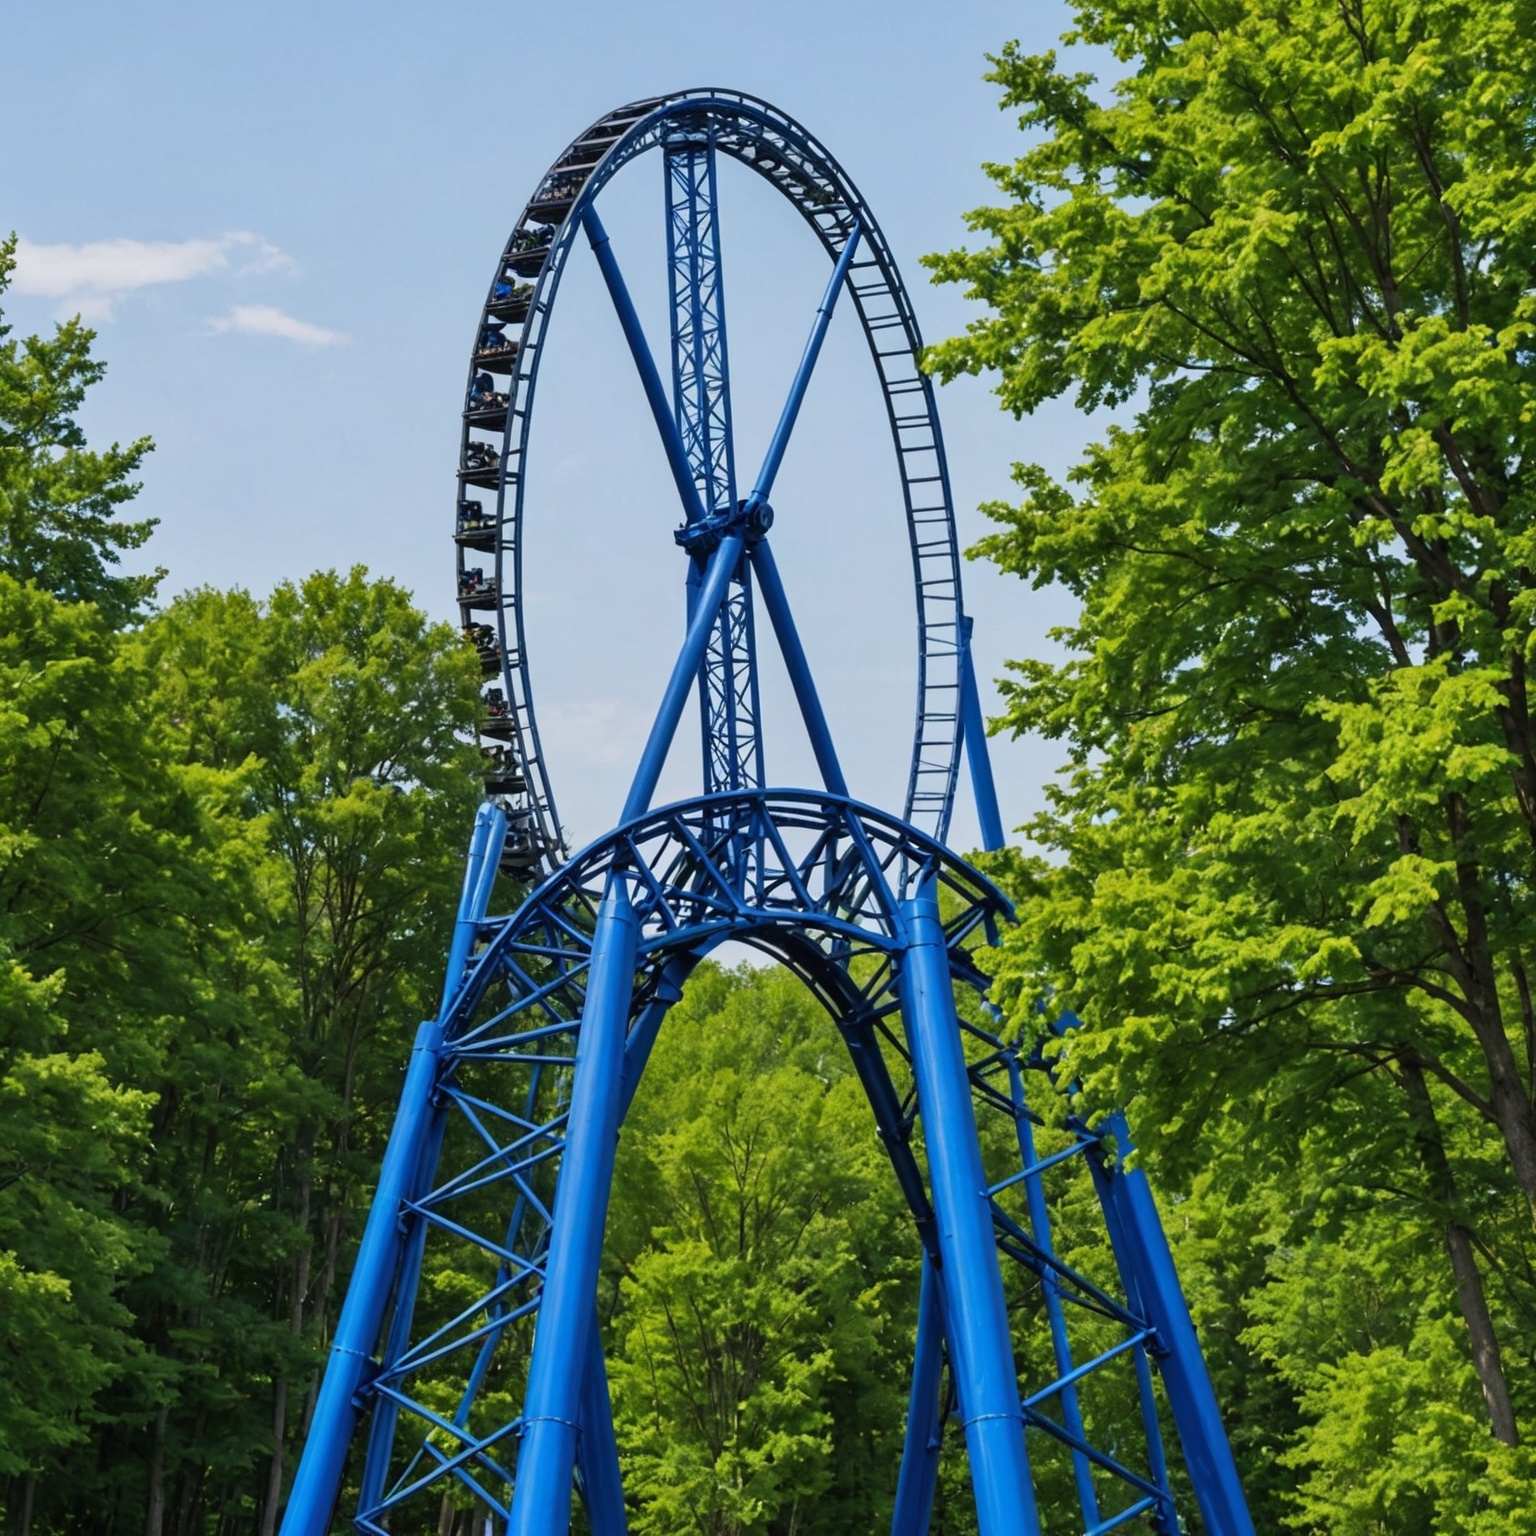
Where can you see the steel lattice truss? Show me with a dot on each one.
(729, 711)
(468, 1358)
(818, 882)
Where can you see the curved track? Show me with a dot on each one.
(496, 441)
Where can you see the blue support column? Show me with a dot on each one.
(981, 1351)
(485, 841)
(973, 729)
(485, 845)
(552, 1404)
(717, 578)
(597, 1451)
(1146, 1266)
(925, 1425)
(776, 600)
(318, 1479)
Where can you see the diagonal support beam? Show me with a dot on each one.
(318, 1480)
(645, 365)
(706, 610)
(974, 734)
(780, 440)
(776, 600)
(919, 1477)
(597, 1451)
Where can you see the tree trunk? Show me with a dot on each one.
(25, 1503)
(274, 1493)
(274, 1496)
(154, 1512)
(1486, 1358)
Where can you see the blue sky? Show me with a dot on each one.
(283, 218)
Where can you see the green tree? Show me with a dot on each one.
(1293, 245)
(59, 501)
(338, 711)
(761, 1275)
(103, 893)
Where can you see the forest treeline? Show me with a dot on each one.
(1285, 880)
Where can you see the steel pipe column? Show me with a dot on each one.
(920, 1450)
(318, 1479)
(1147, 1271)
(562, 1342)
(981, 1352)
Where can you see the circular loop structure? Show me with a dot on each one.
(504, 368)
(501, 1161)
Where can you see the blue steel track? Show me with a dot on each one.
(500, 1160)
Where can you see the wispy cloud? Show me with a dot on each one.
(267, 320)
(91, 277)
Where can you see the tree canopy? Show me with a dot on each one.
(1286, 877)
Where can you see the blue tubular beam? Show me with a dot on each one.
(1040, 1221)
(920, 1452)
(685, 671)
(974, 733)
(645, 365)
(1147, 1270)
(485, 843)
(783, 621)
(490, 829)
(780, 440)
(597, 1452)
(386, 1412)
(552, 1404)
(316, 1483)
(980, 1349)
(642, 1036)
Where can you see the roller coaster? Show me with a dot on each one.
(502, 1150)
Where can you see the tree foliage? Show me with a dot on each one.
(1287, 877)
(59, 500)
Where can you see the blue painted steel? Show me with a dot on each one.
(485, 844)
(729, 706)
(1143, 1253)
(597, 1451)
(701, 392)
(783, 621)
(548, 1015)
(781, 153)
(318, 1479)
(978, 758)
(722, 568)
(981, 1352)
(762, 489)
(645, 364)
(1040, 1224)
(541, 1500)
(913, 1510)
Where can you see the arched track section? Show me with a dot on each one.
(812, 878)
(740, 867)
(495, 444)
(821, 882)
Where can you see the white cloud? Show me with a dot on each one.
(89, 278)
(267, 320)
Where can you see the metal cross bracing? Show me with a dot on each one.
(729, 709)
(1060, 1377)
(524, 285)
